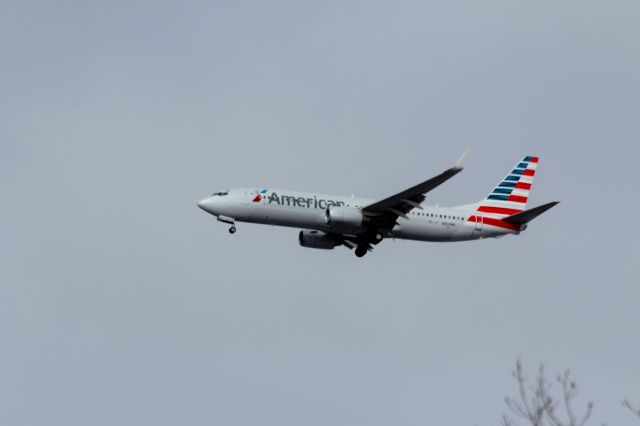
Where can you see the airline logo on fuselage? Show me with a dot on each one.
(258, 197)
(293, 201)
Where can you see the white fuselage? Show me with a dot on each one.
(307, 210)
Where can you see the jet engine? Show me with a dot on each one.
(344, 218)
(317, 240)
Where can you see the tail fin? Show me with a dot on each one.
(510, 196)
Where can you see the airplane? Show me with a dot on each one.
(329, 221)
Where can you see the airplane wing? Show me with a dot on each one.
(403, 202)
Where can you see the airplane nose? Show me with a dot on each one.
(206, 205)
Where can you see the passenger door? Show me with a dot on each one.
(479, 222)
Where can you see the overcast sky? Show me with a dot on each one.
(122, 303)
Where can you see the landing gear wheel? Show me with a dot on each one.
(232, 230)
(361, 251)
(378, 237)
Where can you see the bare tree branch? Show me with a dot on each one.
(528, 407)
(537, 405)
(506, 421)
(631, 408)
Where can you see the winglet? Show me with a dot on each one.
(462, 160)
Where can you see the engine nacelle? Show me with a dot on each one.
(344, 218)
(317, 240)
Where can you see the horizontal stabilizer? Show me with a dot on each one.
(528, 215)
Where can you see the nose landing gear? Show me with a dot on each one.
(230, 221)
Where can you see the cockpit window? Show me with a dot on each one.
(220, 194)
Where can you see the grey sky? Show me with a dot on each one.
(121, 303)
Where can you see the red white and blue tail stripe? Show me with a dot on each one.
(509, 196)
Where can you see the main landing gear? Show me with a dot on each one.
(361, 251)
(364, 244)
